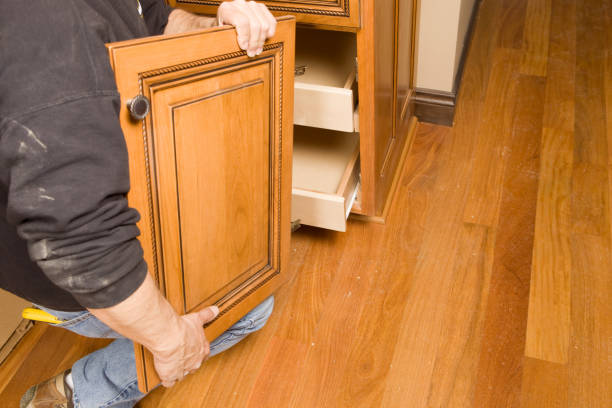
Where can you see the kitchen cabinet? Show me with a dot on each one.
(340, 13)
(209, 133)
(353, 84)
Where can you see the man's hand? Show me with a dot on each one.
(253, 21)
(188, 347)
(178, 343)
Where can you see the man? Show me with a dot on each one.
(67, 236)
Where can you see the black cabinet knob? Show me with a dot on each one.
(139, 107)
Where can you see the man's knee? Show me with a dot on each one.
(261, 313)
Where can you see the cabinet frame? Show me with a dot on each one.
(386, 120)
(340, 13)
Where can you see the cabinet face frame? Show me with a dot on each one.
(341, 13)
(142, 65)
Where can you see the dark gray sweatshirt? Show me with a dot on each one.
(67, 235)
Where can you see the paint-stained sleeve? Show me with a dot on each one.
(68, 180)
(63, 157)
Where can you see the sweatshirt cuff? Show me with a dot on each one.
(116, 292)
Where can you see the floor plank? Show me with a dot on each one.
(536, 38)
(559, 109)
(590, 365)
(590, 192)
(462, 325)
(492, 140)
(548, 326)
(371, 354)
(505, 215)
(279, 374)
(544, 384)
(498, 381)
(512, 22)
(416, 350)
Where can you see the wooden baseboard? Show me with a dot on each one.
(438, 107)
(435, 106)
(380, 219)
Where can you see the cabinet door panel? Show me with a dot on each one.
(210, 168)
(222, 174)
(344, 13)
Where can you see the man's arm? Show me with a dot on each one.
(177, 342)
(253, 21)
(65, 166)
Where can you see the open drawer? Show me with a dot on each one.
(325, 177)
(325, 80)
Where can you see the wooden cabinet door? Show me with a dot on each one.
(210, 168)
(343, 13)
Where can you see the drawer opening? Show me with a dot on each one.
(325, 176)
(326, 79)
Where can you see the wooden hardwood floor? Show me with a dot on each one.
(490, 284)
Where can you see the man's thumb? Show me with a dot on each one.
(208, 314)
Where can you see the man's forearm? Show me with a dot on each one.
(145, 317)
(180, 21)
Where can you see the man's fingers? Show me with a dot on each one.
(208, 314)
(241, 21)
(254, 30)
(262, 23)
(269, 18)
(253, 21)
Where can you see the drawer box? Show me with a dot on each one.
(325, 177)
(325, 81)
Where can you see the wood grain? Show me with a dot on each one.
(493, 134)
(415, 352)
(281, 369)
(536, 38)
(590, 365)
(608, 88)
(548, 326)
(347, 296)
(12, 362)
(454, 368)
(498, 379)
(590, 198)
(316, 264)
(513, 22)
(559, 111)
(544, 384)
(369, 356)
(427, 310)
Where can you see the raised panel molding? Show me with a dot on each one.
(147, 81)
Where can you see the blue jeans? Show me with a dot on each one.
(107, 377)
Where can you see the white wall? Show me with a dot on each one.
(441, 31)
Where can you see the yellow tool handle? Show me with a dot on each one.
(40, 315)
